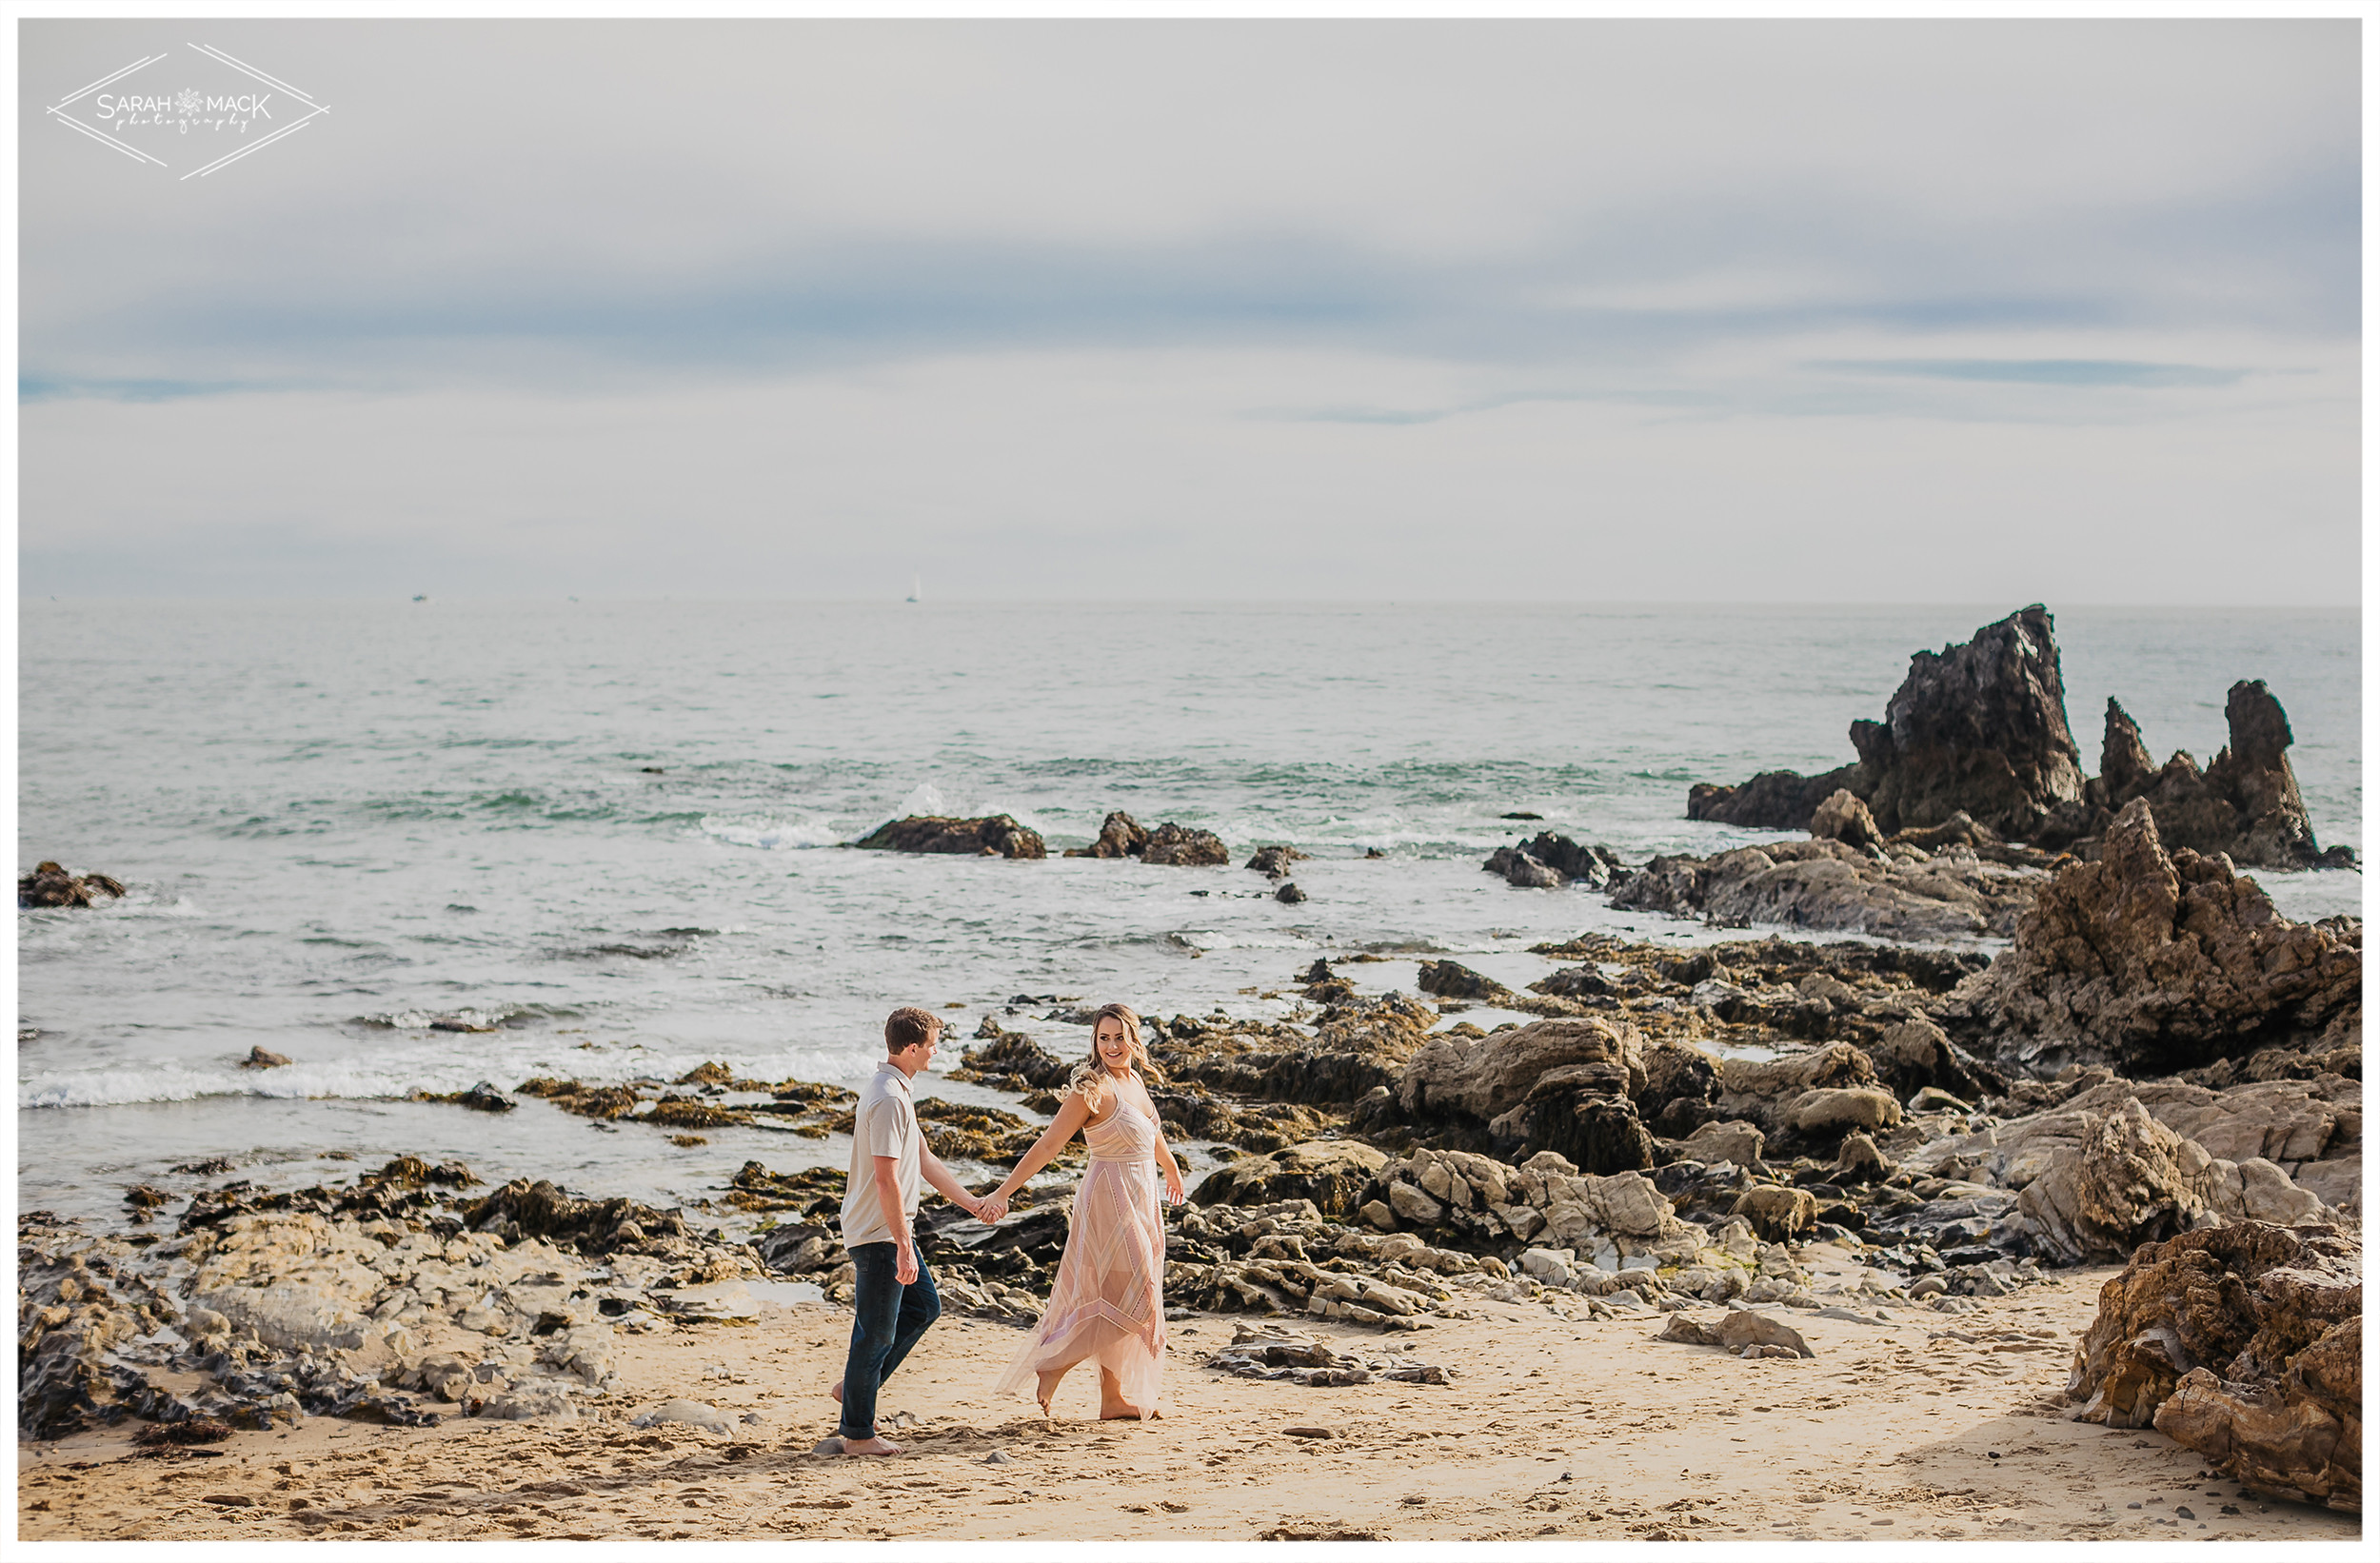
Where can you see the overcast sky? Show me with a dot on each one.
(1836, 311)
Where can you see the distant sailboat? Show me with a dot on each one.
(916, 587)
(421, 596)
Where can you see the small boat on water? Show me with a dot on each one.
(421, 596)
(916, 587)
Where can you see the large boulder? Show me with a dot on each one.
(1560, 1085)
(1272, 861)
(1332, 1173)
(1778, 1214)
(1453, 979)
(1569, 1112)
(1184, 846)
(1013, 1061)
(2129, 1181)
(49, 886)
(2243, 1343)
(1825, 885)
(2312, 1129)
(996, 835)
(1362, 1044)
(1843, 818)
(1765, 1090)
(2151, 963)
(1914, 1053)
(1832, 1112)
(1731, 1139)
(1483, 1077)
(1549, 861)
(1980, 727)
(1120, 836)
(1771, 801)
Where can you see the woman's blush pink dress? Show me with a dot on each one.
(1108, 1302)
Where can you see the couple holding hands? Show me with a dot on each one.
(1107, 1304)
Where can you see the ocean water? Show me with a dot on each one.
(611, 828)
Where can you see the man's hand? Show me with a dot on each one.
(904, 1262)
(991, 1209)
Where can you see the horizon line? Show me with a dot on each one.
(1099, 599)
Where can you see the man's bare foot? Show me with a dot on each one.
(870, 1446)
(837, 1391)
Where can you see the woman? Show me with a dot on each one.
(1108, 1302)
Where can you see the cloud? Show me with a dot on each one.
(1062, 283)
(2084, 372)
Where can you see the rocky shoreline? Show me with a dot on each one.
(1980, 730)
(2061, 1029)
(1841, 1131)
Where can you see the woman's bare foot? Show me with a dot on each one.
(1113, 1407)
(870, 1446)
(1046, 1390)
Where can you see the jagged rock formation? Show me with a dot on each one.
(997, 835)
(2277, 1151)
(2245, 806)
(1980, 730)
(1120, 836)
(1980, 727)
(2152, 963)
(2132, 1181)
(50, 885)
(2244, 1344)
(1830, 885)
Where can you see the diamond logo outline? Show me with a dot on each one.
(314, 109)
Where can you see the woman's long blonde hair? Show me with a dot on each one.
(1090, 1076)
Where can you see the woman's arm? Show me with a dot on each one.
(1072, 1113)
(940, 1177)
(1174, 1195)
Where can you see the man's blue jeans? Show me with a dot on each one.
(886, 1321)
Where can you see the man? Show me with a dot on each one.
(895, 1298)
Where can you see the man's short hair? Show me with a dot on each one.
(909, 1026)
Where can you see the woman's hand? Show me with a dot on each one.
(1174, 1195)
(992, 1209)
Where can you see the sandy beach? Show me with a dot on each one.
(1551, 1427)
